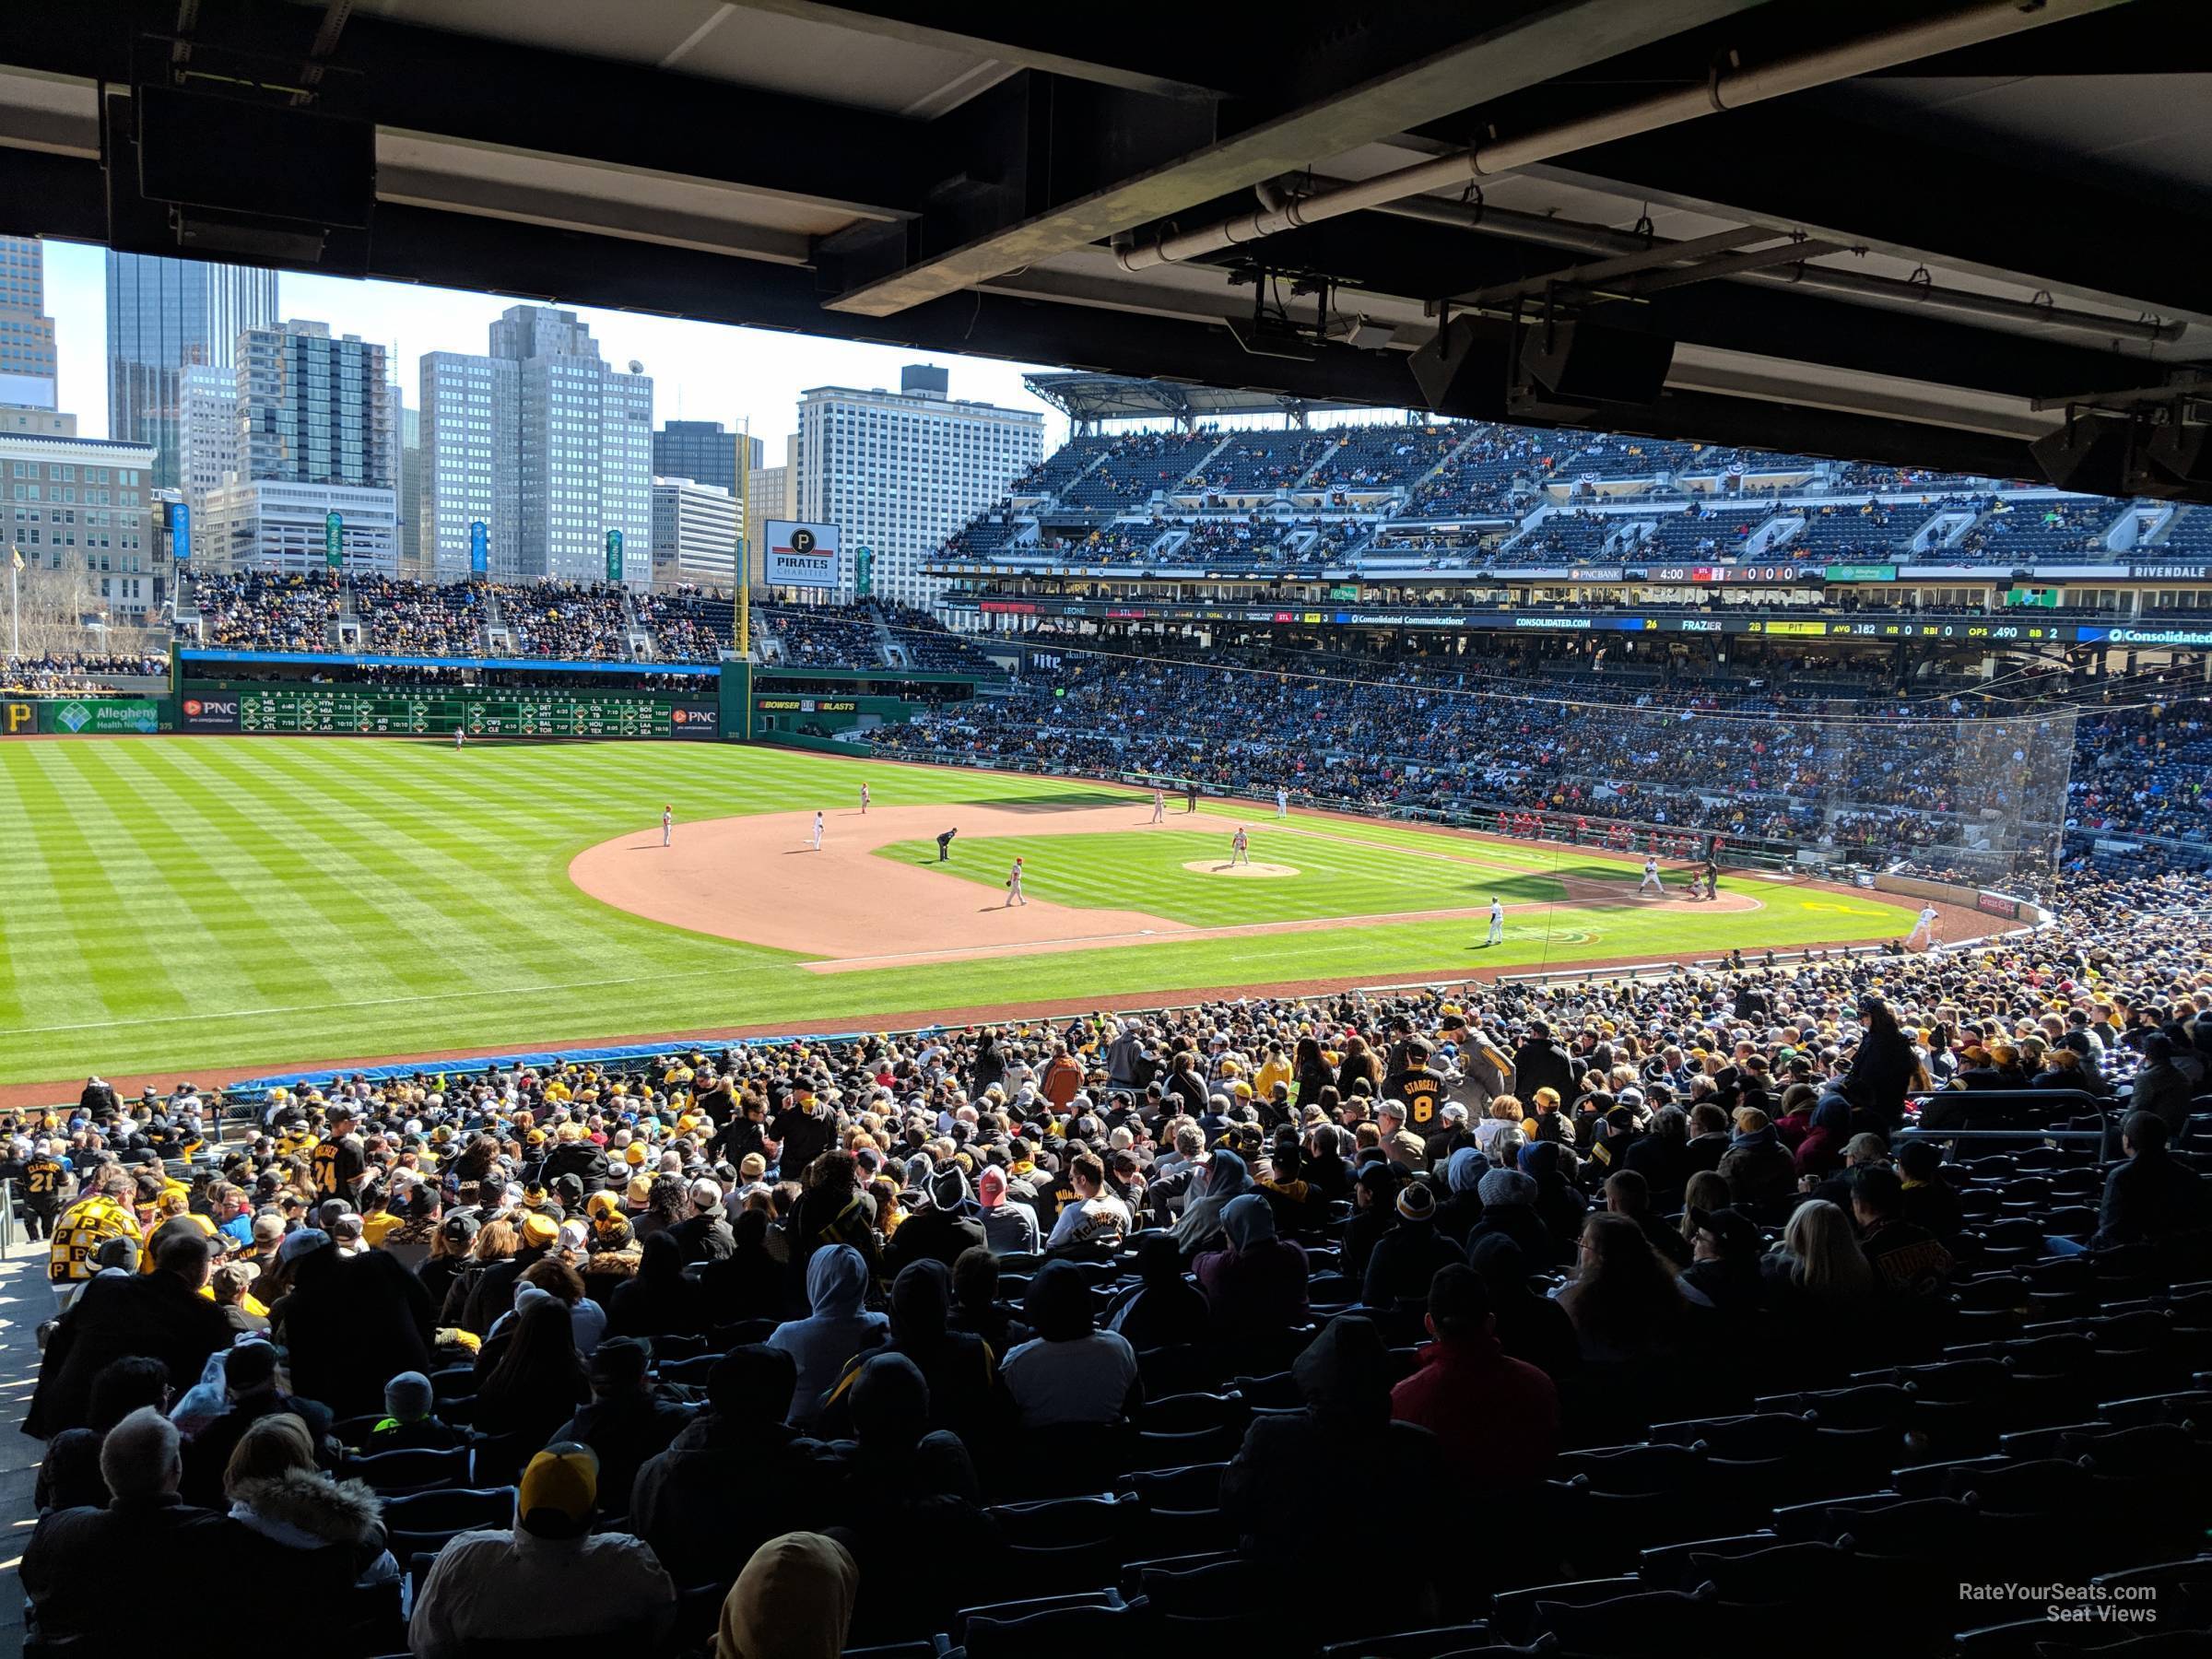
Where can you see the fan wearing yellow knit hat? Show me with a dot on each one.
(550, 1577)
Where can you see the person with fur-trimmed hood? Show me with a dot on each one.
(276, 1491)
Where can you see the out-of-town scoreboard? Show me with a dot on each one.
(488, 713)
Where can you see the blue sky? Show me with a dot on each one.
(701, 371)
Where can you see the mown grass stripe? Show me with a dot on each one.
(124, 966)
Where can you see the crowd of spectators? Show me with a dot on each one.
(259, 610)
(419, 619)
(812, 635)
(585, 621)
(58, 672)
(1402, 736)
(688, 624)
(805, 1345)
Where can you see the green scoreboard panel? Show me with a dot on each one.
(491, 714)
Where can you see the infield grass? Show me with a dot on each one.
(173, 903)
(1339, 873)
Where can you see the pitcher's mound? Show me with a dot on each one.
(1221, 867)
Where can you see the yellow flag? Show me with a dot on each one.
(19, 557)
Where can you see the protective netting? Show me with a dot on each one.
(1980, 801)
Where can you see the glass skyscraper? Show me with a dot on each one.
(163, 313)
(27, 360)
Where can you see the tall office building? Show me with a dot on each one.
(703, 452)
(898, 472)
(315, 410)
(164, 313)
(27, 360)
(544, 443)
(207, 442)
(694, 534)
(410, 492)
(767, 496)
(470, 468)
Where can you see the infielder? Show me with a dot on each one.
(1497, 922)
(1159, 804)
(1924, 929)
(1238, 850)
(1282, 802)
(1651, 882)
(667, 825)
(818, 832)
(864, 800)
(1014, 893)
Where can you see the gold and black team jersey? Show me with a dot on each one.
(42, 1179)
(336, 1164)
(1423, 1092)
(82, 1229)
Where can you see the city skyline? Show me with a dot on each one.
(703, 370)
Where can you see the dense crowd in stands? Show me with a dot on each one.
(687, 625)
(419, 619)
(1690, 1284)
(257, 610)
(589, 621)
(1401, 737)
(823, 635)
(73, 671)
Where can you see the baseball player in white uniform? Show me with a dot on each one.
(1282, 802)
(1014, 893)
(1651, 882)
(667, 825)
(460, 736)
(1239, 849)
(1924, 929)
(864, 800)
(1159, 804)
(1497, 922)
(818, 832)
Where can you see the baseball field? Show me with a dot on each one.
(207, 907)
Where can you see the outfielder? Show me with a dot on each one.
(1497, 921)
(459, 735)
(1924, 929)
(667, 825)
(818, 832)
(1014, 893)
(1159, 804)
(1282, 802)
(1651, 882)
(1240, 851)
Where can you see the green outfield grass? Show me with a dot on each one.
(1337, 876)
(169, 904)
